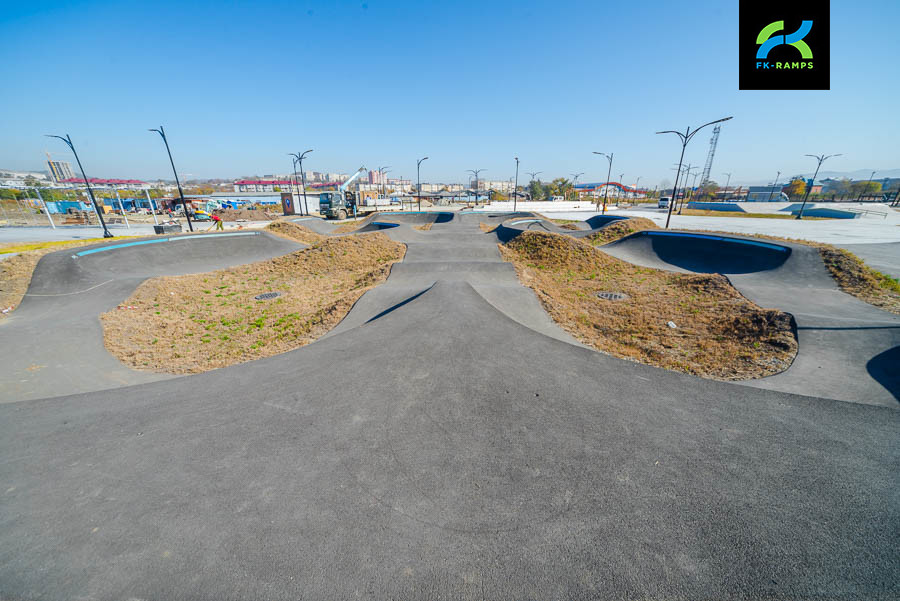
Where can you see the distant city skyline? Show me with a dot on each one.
(547, 82)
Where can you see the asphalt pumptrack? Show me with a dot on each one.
(447, 440)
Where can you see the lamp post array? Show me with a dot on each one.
(298, 160)
(774, 184)
(685, 139)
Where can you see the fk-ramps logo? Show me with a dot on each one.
(784, 45)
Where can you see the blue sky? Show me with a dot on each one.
(471, 84)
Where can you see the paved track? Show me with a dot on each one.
(847, 348)
(436, 447)
(56, 331)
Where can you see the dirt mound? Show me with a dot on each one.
(248, 214)
(717, 333)
(294, 231)
(194, 323)
(621, 228)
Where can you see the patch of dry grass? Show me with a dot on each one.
(621, 228)
(719, 333)
(488, 227)
(194, 323)
(424, 227)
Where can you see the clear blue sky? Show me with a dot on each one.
(471, 84)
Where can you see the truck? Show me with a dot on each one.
(342, 203)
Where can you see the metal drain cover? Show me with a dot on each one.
(267, 295)
(612, 296)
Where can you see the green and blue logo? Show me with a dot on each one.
(767, 40)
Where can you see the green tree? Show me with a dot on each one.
(536, 190)
(708, 190)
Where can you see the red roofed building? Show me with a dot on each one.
(283, 185)
(126, 184)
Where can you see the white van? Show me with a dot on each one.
(664, 202)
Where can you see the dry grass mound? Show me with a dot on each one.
(719, 333)
(248, 214)
(854, 277)
(294, 231)
(621, 228)
(194, 323)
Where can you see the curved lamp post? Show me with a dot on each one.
(419, 182)
(475, 172)
(685, 138)
(298, 158)
(821, 158)
(609, 157)
(575, 177)
(516, 186)
(68, 141)
(162, 133)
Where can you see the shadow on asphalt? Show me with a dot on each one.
(883, 368)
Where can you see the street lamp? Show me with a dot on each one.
(162, 133)
(68, 141)
(382, 171)
(621, 188)
(575, 177)
(609, 157)
(685, 138)
(475, 172)
(299, 159)
(419, 182)
(636, 182)
(516, 186)
(821, 158)
(728, 181)
(867, 187)
(774, 184)
(294, 179)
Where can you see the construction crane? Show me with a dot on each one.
(712, 153)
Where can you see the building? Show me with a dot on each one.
(500, 186)
(60, 171)
(115, 184)
(262, 185)
(765, 193)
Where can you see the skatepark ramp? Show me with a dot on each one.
(701, 253)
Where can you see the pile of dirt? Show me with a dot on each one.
(717, 332)
(247, 214)
(621, 228)
(194, 323)
(293, 231)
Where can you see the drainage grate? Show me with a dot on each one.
(267, 295)
(612, 296)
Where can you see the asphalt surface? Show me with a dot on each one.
(882, 257)
(847, 348)
(56, 331)
(435, 446)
